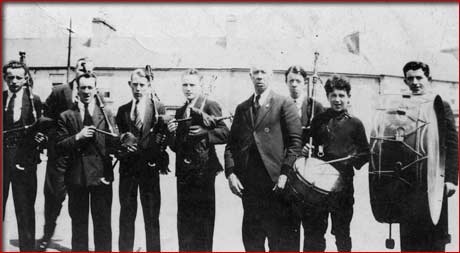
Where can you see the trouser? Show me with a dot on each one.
(315, 221)
(54, 191)
(149, 187)
(419, 234)
(99, 198)
(196, 213)
(267, 213)
(24, 188)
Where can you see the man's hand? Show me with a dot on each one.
(160, 138)
(86, 132)
(197, 130)
(39, 138)
(306, 149)
(281, 183)
(104, 181)
(130, 148)
(172, 125)
(450, 189)
(235, 185)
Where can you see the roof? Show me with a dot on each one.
(119, 52)
(218, 52)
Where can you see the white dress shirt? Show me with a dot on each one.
(140, 109)
(81, 107)
(190, 104)
(17, 103)
(263, 97)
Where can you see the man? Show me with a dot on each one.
(20, 150)
(138, 169)
(88, 173)
(196, 164)
(417, 234)
(62, 98)
(336, 134)
(263, 144)
(296, 80)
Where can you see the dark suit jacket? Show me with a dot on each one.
(182, 143)
(276, 133)
(89, 160)
(58, 101)
(149, 149)
(26, 153)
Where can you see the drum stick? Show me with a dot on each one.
(337, 160)
(105, 132)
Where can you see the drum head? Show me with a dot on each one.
(318, 173)
(436, 158)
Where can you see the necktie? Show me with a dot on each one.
(10, 109)
(256, 105)
(87, 120)
(137, 118)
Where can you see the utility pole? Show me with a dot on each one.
(69, 48)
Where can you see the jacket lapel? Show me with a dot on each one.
(247, 111)
(78, 121)
(304, 112)
(199, 103)
(25, 107)
(5, 97)
(98, 117)
(264, 109)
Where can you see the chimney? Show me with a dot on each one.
(230, 28)
(102, 31)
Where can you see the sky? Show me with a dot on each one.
(389, 34)
(423, 25)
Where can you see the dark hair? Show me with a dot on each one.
(140, 73)
(337, 82)
(296, 69)
(192, 72)
(16, 65)
(415, 65)
(87, 76)
(83, 59)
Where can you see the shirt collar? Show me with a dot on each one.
(192, 103)
(299, 100)
(141, 101)
(91, 106)
(263, 96)
(18, 93)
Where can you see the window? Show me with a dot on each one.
(57, 79)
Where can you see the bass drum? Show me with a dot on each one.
(312, 180)
(406, 168)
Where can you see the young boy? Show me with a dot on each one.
(336, 134)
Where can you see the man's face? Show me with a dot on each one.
(15, 78)
(87, 90)
(295, 84)
(260, 78)
(339, 100)
(191, 86)
(139, 86)
(416, 81)
(80, 69)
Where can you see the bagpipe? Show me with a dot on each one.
(160, 160)
(12, 137)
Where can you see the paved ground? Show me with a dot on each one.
(367, 234)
